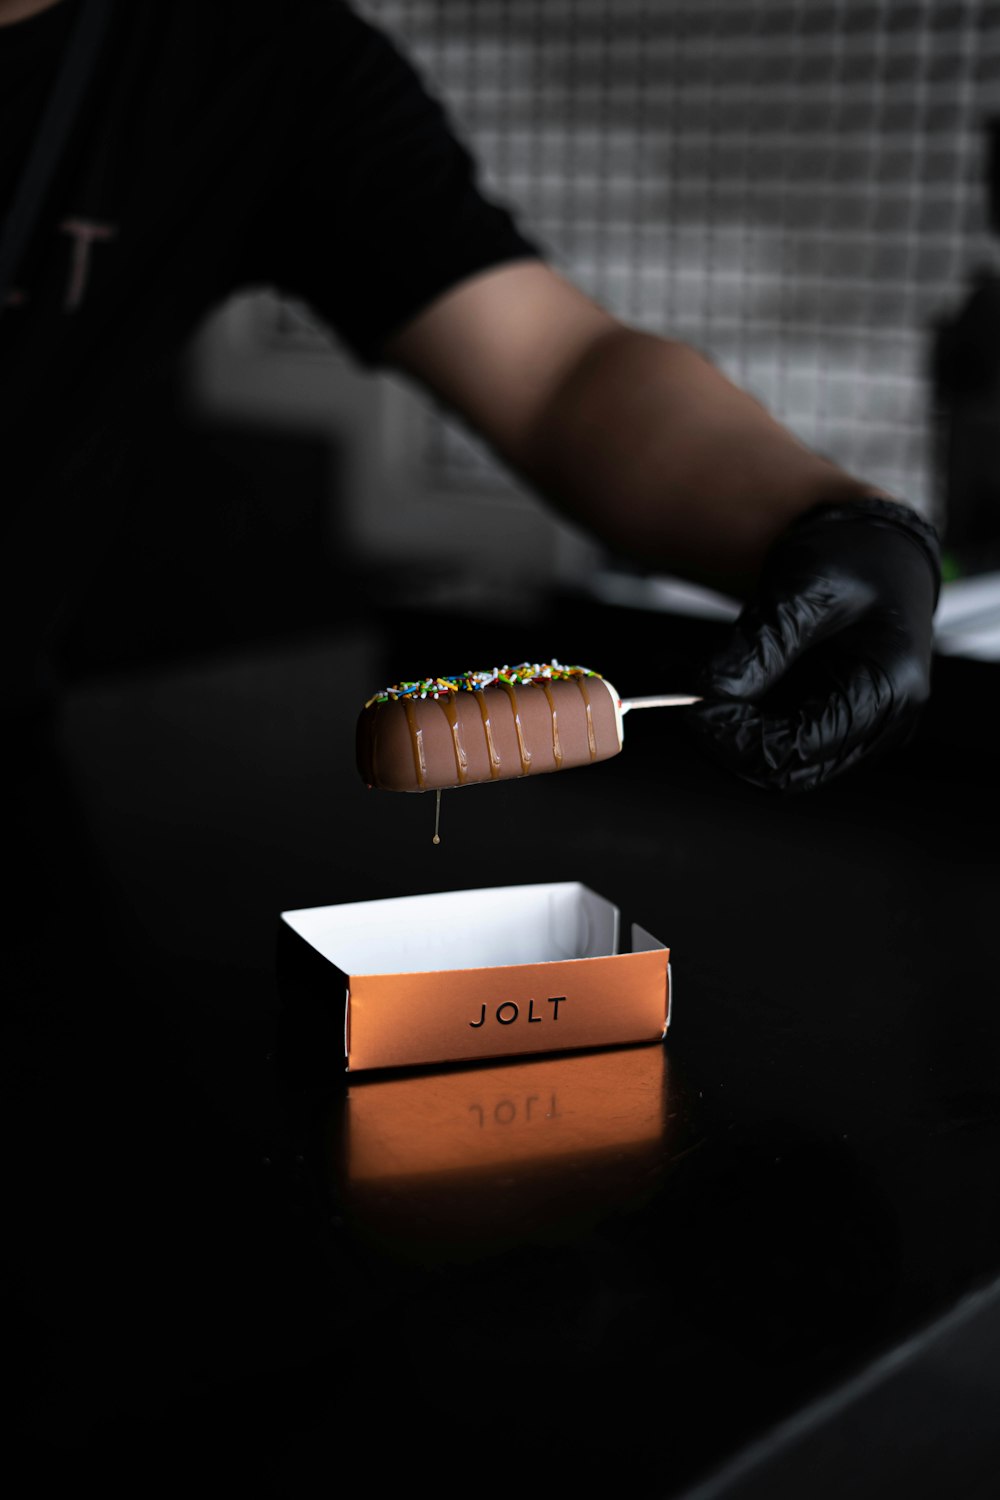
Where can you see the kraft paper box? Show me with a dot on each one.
(464, 975)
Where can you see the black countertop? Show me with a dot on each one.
(785, 1283)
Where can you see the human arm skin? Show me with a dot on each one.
(12, 11)
(639, 439)
(647, 444)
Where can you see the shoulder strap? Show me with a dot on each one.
(61, 109)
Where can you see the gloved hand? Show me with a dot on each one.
(831, 661)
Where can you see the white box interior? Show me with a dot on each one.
(484, 928)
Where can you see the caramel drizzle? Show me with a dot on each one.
(556, 746)
(450, 709)
(522, 748)
(591, 737)
(417, 741)
(484, 710)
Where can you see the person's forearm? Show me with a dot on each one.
(653, 449)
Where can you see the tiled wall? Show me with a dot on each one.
(797, 189)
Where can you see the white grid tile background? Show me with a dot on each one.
(798, 189)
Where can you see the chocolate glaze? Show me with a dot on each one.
(495, 734)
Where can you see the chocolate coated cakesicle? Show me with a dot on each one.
(491, 726)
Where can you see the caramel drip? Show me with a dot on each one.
(484, 709)
(591, 737)
(557, 754)
(450, 709)
(522, 748)
(417, 741)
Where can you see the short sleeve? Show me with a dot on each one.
(382, 209)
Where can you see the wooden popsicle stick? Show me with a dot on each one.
(665, 700)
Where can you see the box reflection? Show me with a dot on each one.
(488, 1152)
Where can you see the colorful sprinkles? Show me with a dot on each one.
(474, 682)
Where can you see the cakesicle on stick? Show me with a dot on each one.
(492, 726)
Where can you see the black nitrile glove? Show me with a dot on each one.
(831, 661)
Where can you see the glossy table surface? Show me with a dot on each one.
(761, 1259)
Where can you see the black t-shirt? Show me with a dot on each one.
(223, 144)
(29, 55)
